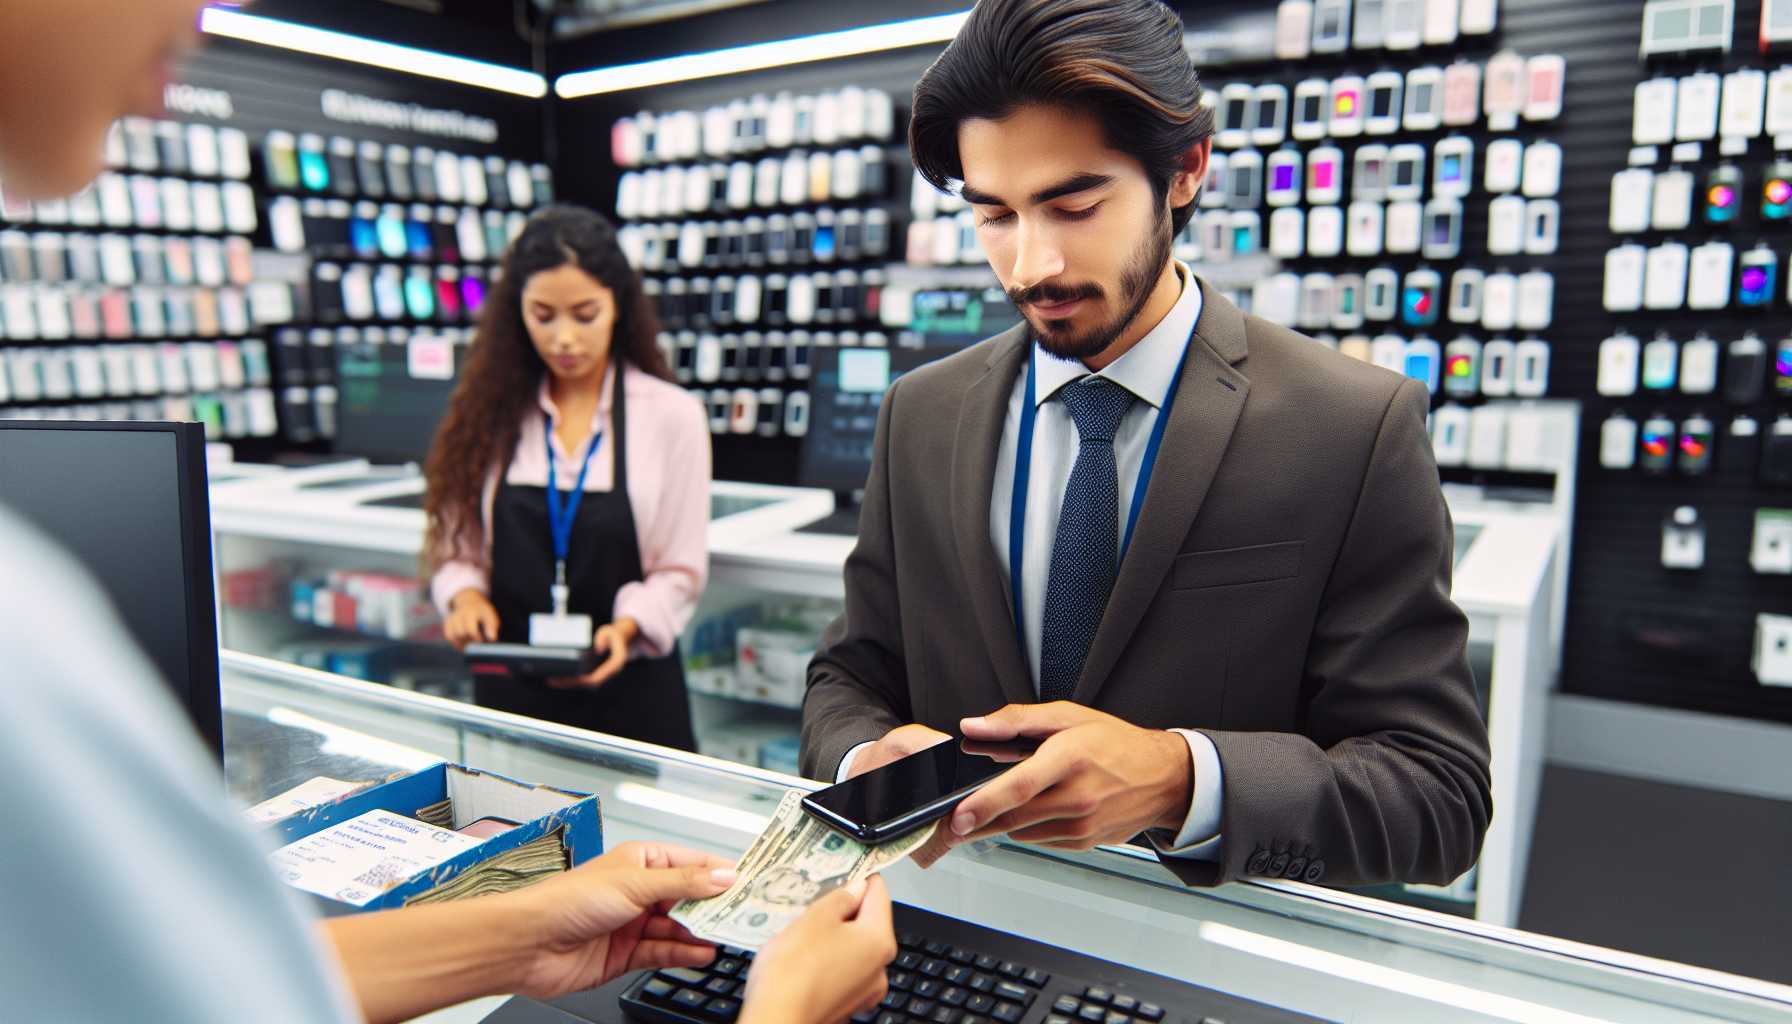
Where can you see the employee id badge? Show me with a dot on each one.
(547, 629)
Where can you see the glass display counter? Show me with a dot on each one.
(1334, 955)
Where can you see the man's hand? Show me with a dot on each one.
(608, 917)
(897, 744)
(613, 642)
(1095, 779)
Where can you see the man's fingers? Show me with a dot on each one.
(1014, 788)
(874, 912)
(670, 953)
(1025, 720)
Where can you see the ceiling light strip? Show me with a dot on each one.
(758, 56)
(341, 46)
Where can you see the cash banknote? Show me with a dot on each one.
(794, 862)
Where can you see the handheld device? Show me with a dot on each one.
(1698, 366)
(1313, 308)
(1247, 232)
(1363, 229)
(1664, 278)
(1631, 198)
(1348, 107)
(1503, 167)
(1234, 116)
(1776, 191)
(1617, 441)
(891, 801)
(1779, 102)
(1656, 447)
(1403, 24)
(1406, 172)
(1309, 115)
(1462, 368)
(1388, 351)
(1381, 301)
(1696, 106)
(1661, 363)
(1244, 171)
(1443, 228)
(1287, 233)
(1619, 357)
(1671, 200)
(1708, 275)
(530, 662)
(1744, 108)
(1384, 114)
(1403, 227)
(1542, 169)
(1478, 17)
(1776, 24)
(1461, 94)
(1466, 286)
(1545, 76)
(1505, 225)
(1366, 26)
(1282, 177)
(1652, 112)
(1723, 195)
(1331, 26)
(1532, 356)
(1696, 436)
(1453, 167)
(1503, 96)
(1542, 226)
(1441, 25)
(1449, 434)
(1499, 302)
(1325, 175)
(1423, 362)
(1499, 368)
(1756, 277)
(1369, 179)
(1420, 299)
(1347, 302)
(1294, 29)
(1425, 98)
(1270, 106)
(1536, 300)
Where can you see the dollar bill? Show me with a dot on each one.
(794, 862)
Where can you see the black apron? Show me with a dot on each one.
(647, 699)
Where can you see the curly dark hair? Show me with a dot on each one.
(503, 373)
(1120, 60)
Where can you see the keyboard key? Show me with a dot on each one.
(894, 999)
(1037, 978)
(1055, 1019)
(933, 968)
(729, 966)
(1098, 995)
(918, 1007)
(959, 975)
(736, 952)
(944, 1015)
(1014, 993)
(892, 1018)
(901, 981)
(727, 1009)
(721, 986)
(1116, 1017)
(909, 961)
(937, 948)
(961, 956)
(1092, 1013)
(988, 963)
(1008, 1013)
(689, 998)
(1127, 1003)
(954, 996)
(1066, 1004)
(1151, 1011)
(908, 940)
(865, 1017)
(980, 1003)
(684, 975)
(1014, 970)
(929, 987)
(982, 983)
(659, 989)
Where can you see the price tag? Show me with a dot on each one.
(1734, 145)
(1643, 156)
(1688, 152)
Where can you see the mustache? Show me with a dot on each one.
(1052, 295)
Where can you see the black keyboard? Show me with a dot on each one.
(953, 972)
(842, 522)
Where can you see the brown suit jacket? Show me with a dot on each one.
(1286, 592)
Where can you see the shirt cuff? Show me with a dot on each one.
(1199, 838)
(846, 762)
(454, 577)
(657, 635)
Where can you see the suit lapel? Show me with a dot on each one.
(980, 422)
(1208, 402)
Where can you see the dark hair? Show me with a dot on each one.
(1121, 61)
(503, 372)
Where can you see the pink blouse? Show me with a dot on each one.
(668, 489)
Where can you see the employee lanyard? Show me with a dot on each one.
(560, 517)
(1023, 474)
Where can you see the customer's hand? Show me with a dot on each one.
(471, 620)
(829, 964)
(613, 641)
(1095, 779)
(897, 744)
(608, 917)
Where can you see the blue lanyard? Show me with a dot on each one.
(561, 516)
(1023, 475)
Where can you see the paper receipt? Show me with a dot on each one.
(356, 861)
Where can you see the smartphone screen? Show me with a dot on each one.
(889, 802)
(1284, 178)
(1311, 108)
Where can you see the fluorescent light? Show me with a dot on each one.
(1462, 997)
(734, 60)
(324, 43)
(691, 807)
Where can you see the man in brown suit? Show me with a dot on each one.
(1203, 558)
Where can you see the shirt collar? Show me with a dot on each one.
(1146, 368)
(544, 400)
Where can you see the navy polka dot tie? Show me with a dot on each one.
(1085, 553)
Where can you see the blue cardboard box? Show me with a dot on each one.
(472, 794)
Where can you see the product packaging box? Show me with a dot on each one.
(397, 843)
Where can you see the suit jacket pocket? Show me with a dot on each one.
(1228, 567)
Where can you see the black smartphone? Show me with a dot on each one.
(890, 802)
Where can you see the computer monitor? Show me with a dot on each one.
(846, 388)
(129, 501)
(391, 396)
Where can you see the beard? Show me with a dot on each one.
(1060, 339)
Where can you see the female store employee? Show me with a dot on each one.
(570, 479)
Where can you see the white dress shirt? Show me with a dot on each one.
(1145, 371)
